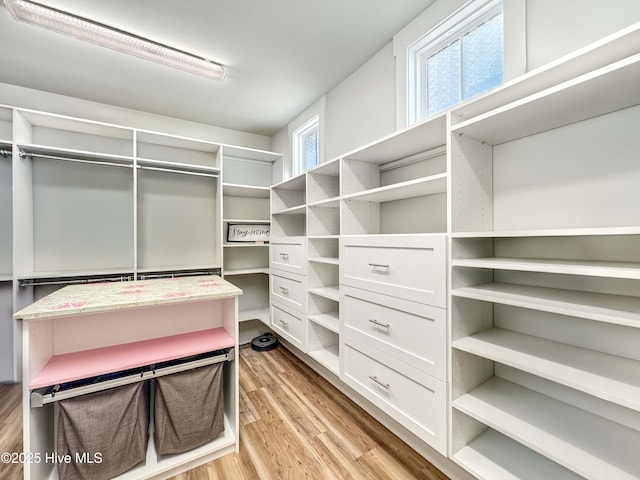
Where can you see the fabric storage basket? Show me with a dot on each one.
(189, 409)
(105, 433)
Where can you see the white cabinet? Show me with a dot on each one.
(416, 400)
(289, 254)
(290, 323)
(545, 272)
(247, 176)
(410, 267)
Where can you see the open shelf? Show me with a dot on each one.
(246, 271)
(492, 456)
(628, 270)
(608, 89)
(298, 210)
(55, 153)
(329, 260)
(556, 232)
(404, 190)
(612, 378)
(328, 357)
(587, 444)
(235, 190)
(330, 321)
(616, 309)
(332, 293)
(177, 167)
(99, 361)
(328, 203)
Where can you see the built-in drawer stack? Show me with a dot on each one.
(393, 328)
(288, 261)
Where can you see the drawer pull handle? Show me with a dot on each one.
(382, 384)
(284, 324)
(379, 265)
(284, 255)
(379, 324)
(284, 289)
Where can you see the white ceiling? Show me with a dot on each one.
(281, 55)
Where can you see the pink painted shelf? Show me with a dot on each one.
(90, 363)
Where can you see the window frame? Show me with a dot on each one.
(453, 28)
(298, 136)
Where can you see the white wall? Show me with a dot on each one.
(370, 103)
(558, 27)
(361, 109)
(16, 96)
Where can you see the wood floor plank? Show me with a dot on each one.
(293, 425)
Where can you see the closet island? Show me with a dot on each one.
(146, 328)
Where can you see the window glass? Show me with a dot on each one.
(443, 78)
(482, 58)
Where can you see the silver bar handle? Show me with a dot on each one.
(284, 323)
(379, 324)
(382, 384)
(284, 255)
(284, 289)
(379, 265)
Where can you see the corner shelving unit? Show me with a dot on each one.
(247, 177)
(545, 275)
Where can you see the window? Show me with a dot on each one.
(306, 145)
(460, 58)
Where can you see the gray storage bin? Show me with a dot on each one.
(110, 428)
(189, 409)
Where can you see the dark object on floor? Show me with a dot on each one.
(264, 343)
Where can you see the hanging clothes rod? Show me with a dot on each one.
(37, 282)
(46, 395)
(184, 172)
(5, 153)
(77, 160)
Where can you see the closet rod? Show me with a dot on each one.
(214, 271)
(78, 160)
(184, 172)
(34, 282)
(39, 398)
(5, 153)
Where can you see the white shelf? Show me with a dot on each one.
(595, 93)
(235, 190)
(328, 203)
(418, 138)
(330, 321)
(179, 268)
(72, 154)
(616, 309)
(627, 270)
(558, 232)
(298, 210)
(311, 237)
(587, 444)
(329, 260)
(177, 167)
(612, 378)
(332, 293)
(244, 220)
(258, 313)
(493, 456)
(246, 271)
(399, 191)
(244, 245)
(328, 357)
(6, 277)
(75, 273)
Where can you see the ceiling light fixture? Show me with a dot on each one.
(94, 32)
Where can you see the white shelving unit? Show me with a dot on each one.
(247, 177)
(545, 271)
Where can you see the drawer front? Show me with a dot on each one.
(288, 254)
(289, 289)
(290, 324)
(411, 332)
(413, 267)
(414, 399)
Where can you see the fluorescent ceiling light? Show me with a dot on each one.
(90, 31)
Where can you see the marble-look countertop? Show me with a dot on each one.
(100, 297)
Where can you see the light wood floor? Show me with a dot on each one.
(294, 425)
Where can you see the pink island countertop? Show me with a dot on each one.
(100, 297)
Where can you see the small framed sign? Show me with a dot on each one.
(248, 232)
